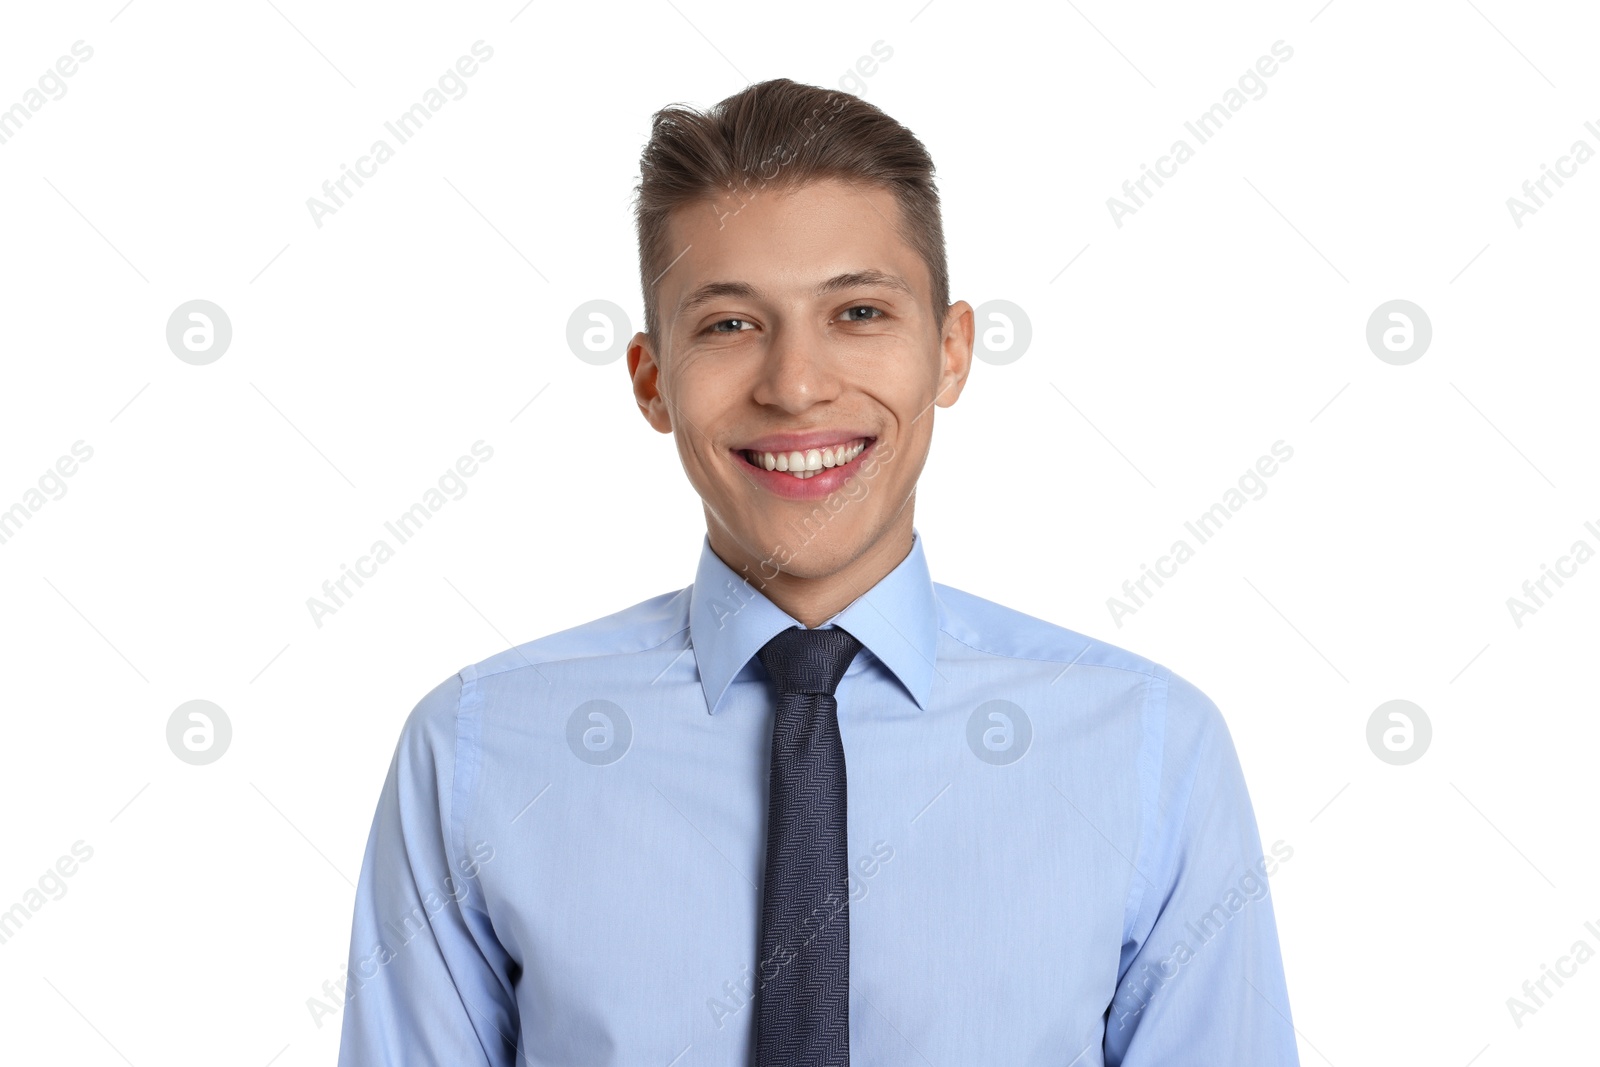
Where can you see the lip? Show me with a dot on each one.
(826, 481)
(800, 442)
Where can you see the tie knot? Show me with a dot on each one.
(809, 661)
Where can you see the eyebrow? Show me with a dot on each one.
(856, 279)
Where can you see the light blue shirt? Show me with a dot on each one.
(1054, 859)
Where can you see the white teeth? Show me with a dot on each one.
(810, 462)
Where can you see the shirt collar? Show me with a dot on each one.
(730, 620)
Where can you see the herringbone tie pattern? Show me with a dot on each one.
(804, 969)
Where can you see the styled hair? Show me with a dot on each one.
(778, 135)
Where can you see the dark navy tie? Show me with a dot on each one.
(803, 990)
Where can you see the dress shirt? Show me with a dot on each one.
(1053, 855)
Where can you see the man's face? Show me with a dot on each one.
(797, 331)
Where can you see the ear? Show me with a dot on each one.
(646, 375)
(955, 346)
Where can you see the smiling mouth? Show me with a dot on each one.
(809, 462)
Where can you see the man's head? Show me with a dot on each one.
(796, 296)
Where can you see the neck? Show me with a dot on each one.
(819, 580)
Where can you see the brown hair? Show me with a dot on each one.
(781, 134)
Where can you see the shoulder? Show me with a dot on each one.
(993, 628)
(435, 723)
(636, 628)
(429, 731)
(1178, 706)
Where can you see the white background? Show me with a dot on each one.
(369, 353)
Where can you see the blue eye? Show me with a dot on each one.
(878, 312)
(714, 325)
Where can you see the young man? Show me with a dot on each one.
(635, 841)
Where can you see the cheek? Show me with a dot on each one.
(707, 390)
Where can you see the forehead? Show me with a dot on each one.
(785, 241)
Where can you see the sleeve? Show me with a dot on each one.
(1201, 979)
(427, 982)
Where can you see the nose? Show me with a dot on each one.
(798, 369)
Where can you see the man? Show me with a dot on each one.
(635, 841)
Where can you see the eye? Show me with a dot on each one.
(877, 313)
(740, 323)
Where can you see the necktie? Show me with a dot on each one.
(803, 974)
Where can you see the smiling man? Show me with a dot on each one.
(814, 806)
